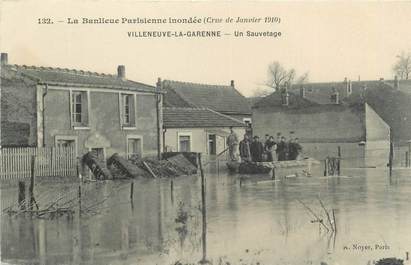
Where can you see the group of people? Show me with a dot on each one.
(270, 150)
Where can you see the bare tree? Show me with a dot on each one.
(260, 92)
(278, 76)
(402, 67)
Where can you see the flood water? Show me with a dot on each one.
(253, 222)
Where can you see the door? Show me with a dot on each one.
(99, 153)
(212, 144)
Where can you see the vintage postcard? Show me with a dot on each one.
(205, 132)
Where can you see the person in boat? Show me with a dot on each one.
(256, 149)
(269, 148)
(278, 140)
(298, 147)
(265, 153)
(282, 149)
(232, 142)
(292, 150)
(244, 149)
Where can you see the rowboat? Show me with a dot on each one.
(281, 168)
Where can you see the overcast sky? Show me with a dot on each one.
(329, 40)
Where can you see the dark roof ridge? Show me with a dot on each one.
(64, 70)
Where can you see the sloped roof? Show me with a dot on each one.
(392, 105)
(197, 118)
(224, 99)
(275, 100)
(60, 76)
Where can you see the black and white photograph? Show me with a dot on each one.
(205, 132)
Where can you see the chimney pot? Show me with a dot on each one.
(349, 89)
(159, 83)
(302, 92)
(396, 82)
(232, 83)
(121, 71)
(4, 58)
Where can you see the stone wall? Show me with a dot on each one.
(18, 110)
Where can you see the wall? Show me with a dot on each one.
(321, 133)
(18, 110)
(331, 123)
(104, 122)
(378, 139)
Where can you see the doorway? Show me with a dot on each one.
(212, 144)
(99, 154)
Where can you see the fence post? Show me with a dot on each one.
(339, 161)
(31, 188)
(326, 167)
(22, 195)
(203, 211)
(407, 159)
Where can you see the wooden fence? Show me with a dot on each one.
(15, 163)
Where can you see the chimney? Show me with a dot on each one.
(396, 83)
(302, 91)
(349, 88)
(285, 95)
(121, 71)
(232, 83)
(159, 84)
(345, 80)
(4, 58)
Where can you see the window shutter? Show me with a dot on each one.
(71, 102)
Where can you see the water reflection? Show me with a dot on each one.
(257, 221)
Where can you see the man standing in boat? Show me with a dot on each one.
(245, 153)
(232, 142)
(277, 151)
(282, 149)
(257, 149)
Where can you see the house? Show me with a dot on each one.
(188, 129)
(44, 107)
(326, 116)
(224, 99)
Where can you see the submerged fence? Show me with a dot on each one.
(16, 163)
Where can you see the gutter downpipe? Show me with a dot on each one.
(159, 129)
(44, 117)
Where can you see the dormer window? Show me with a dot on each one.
(335, 98)
(284, 98)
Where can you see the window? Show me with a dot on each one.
(79, 108)
(64, 141)
(127, 110)
(184, 143)
(134, 147)
(335, 98)
(247, 122)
